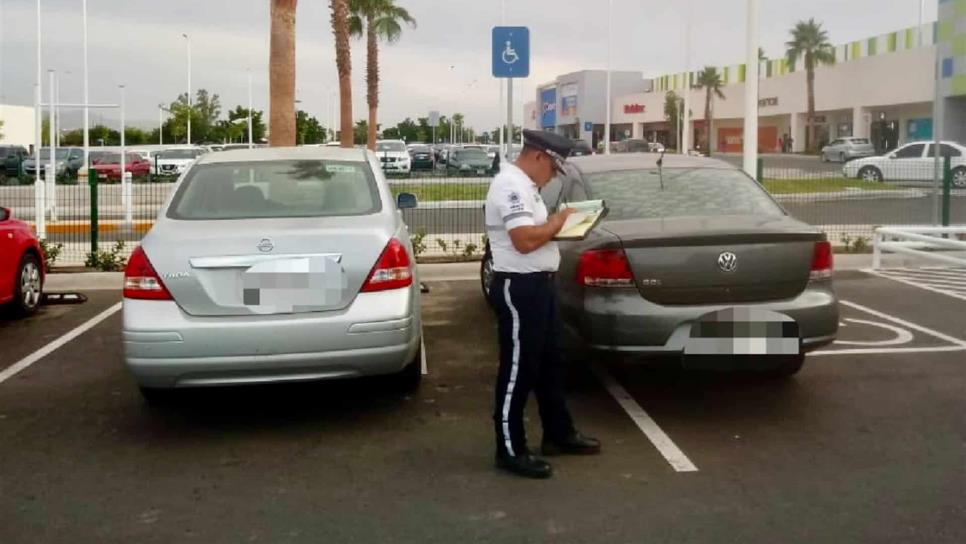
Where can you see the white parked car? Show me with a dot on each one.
(911, 162)
(176, 160)
(394, 156)
(847, 149)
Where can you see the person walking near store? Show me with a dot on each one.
(525, 259)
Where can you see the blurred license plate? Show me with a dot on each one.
(102, 176)
(480, 171)
(294, 285)
(744, 331)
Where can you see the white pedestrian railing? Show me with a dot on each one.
(921, 241)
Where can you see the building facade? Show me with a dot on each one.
(882, 88)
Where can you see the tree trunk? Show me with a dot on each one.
(340, 27)
(281, 69)
(707, 121)
(810, 122)
(372, 80)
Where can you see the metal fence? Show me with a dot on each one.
(449, 219)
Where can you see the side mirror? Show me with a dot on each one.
(406, 201)
(892, 156)
(4, 214)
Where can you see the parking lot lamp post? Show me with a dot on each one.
(610, 47)
(250, 143)
(126, 190)
(190, 108)
(87, 101)
(40, 205)
(750, 147)
(50, 176)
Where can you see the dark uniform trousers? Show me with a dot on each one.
(531, 359)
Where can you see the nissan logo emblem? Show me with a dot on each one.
(728, 262)
(265, 246)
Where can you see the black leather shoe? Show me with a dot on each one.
(573, 444)
(525, 465)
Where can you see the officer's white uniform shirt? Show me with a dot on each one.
(514, 201)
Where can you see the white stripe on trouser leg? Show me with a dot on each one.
(508, 399)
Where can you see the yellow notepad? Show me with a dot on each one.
(588, 215)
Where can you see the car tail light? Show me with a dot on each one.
(393, 270)
(141, 281)
(822, 261)
(604, 268)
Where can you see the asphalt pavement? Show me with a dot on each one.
(864, 445)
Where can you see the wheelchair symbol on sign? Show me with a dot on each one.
(510, 55)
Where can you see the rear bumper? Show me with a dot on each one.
(624, 322)
(165, 348)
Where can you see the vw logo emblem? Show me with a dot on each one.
(728, 262)
(265, 246)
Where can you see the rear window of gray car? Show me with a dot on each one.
(276, 189)
(686, 192)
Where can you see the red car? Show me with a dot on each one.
(22, 268)
(108, 166)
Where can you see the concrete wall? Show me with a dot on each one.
(18, 125)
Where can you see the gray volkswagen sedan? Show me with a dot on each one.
(694, 259)
(274, 265)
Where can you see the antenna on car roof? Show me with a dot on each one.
(660, 167)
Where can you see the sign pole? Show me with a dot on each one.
(509, 116)
(750, 150)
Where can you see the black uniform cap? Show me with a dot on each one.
(555, 145)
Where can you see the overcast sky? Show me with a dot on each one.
(442, 64)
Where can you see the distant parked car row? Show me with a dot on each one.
(915, 161)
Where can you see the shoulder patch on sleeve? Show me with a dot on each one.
(515, 201)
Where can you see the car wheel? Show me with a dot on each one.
(959, 178)
(486, 274)
(870, 173)
(843, 159)
(409, 378)
(29, 287)
(824, 157)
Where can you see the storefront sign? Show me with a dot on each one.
(548, 108)
(568, 101)
(634, 108)
(768, 102)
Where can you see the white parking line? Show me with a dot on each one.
(957, 344)
(936, 286)
(678, 460)
(13, 369)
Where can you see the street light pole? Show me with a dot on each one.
(750, 148)
(87, 101)
(610, 47)
(190, 107)
(40, 204)
(686, 132)
(250, 142)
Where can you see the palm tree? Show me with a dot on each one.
(672, 110)
(343, 62)
(810, 41)
(281, 74)
(710, 80)
(377, 19)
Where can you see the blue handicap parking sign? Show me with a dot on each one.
(511, 51)
(588, 127)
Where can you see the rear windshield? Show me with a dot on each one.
(390, 146)
(471, 154)
(180, 154)
(637, 194)
(276, 189)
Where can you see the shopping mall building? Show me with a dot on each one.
(881, 88)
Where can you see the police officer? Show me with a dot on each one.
(525, 259)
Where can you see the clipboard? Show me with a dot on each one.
(589, 214)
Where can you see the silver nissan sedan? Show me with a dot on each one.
(274, 265)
